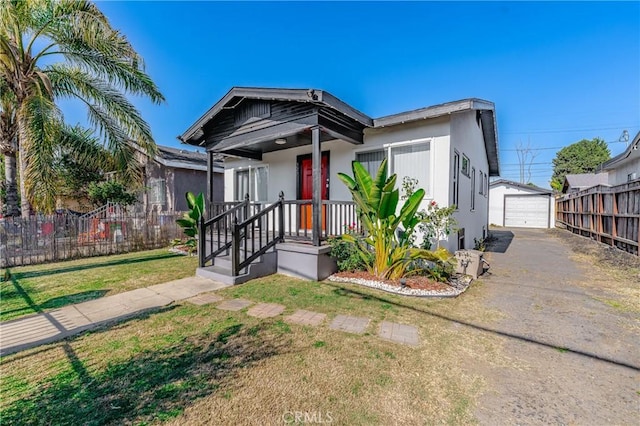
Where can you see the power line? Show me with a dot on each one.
(557, 147)
(564, 130)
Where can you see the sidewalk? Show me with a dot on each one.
(35, 330)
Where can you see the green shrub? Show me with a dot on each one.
(346, 255)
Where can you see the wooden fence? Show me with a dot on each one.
(610, 215)
(111, 230)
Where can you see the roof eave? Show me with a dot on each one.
(634, 145)
(433, 112)
(520, 185)
(296, 95)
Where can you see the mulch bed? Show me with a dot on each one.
(416, 282)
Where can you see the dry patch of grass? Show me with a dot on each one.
(200, 365)
(615, 275)
(33, 289)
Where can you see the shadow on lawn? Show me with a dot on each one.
(54, 271)
(151, 386)
(56, 302)
(354, 293)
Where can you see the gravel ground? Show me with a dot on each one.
(573, 351)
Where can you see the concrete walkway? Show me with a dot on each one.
(571, 358)
(47, 327)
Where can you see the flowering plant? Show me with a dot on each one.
(437, 223)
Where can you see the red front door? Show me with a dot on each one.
(305, 192)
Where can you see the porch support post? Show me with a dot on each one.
(209, 196)
(316, 199)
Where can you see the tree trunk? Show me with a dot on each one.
(10, 184)
(25, 206)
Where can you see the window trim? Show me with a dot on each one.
(473, 189)
(465, 165)
(456, 179)
(387, 147)
(248, 169)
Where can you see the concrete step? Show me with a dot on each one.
(221, 270)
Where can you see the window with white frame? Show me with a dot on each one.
(371, 160)
(157, 192)
(473, 188)
(252, 180)
(486, 185)
(411, 159)
(456, 178)
(480, 182)
(414, 161)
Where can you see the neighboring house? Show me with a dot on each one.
(625, 167)
(578, 182)
(297, 140)
(513, 204)
(171, 174)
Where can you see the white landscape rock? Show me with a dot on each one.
(458, 285)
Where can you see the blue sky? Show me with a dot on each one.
(557, 72)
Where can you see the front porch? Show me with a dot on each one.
(244, 240)
(275, 140)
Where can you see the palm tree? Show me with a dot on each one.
(98, 67)
(8, 147)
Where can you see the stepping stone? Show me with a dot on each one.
(205, 299)
(399, 333)
(265, 310)
(306, 318)
(349, 324)
(234, 304)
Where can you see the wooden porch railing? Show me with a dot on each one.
(610, 215)
(291, 219)
(337, 218)
(256, 235)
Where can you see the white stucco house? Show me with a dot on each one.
(625, 167)
(513, 204)
(295, 141)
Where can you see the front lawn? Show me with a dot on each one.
(191, 364)
(38, 288)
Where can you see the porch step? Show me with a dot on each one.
(265, 265)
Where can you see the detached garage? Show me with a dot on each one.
(513, 204)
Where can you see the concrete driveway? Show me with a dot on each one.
(574, 359)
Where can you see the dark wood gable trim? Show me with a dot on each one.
(225, 126)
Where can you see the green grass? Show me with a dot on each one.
(33, 289)
(196, 364)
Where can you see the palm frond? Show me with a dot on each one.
(39, 118)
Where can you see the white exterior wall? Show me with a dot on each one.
(496, 202)
(620, 174)
(467, 139)
(459, 131)
(282, 170)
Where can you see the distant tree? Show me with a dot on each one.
(581, 157)
(105, 192)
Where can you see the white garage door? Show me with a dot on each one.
(526, 211)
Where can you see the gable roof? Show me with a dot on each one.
(236, 95)
(633, 150)
(520, 185)
(584, 180)
(180, 158)
(487, 117)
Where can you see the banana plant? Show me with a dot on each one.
(191, 219)
(377, 200)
